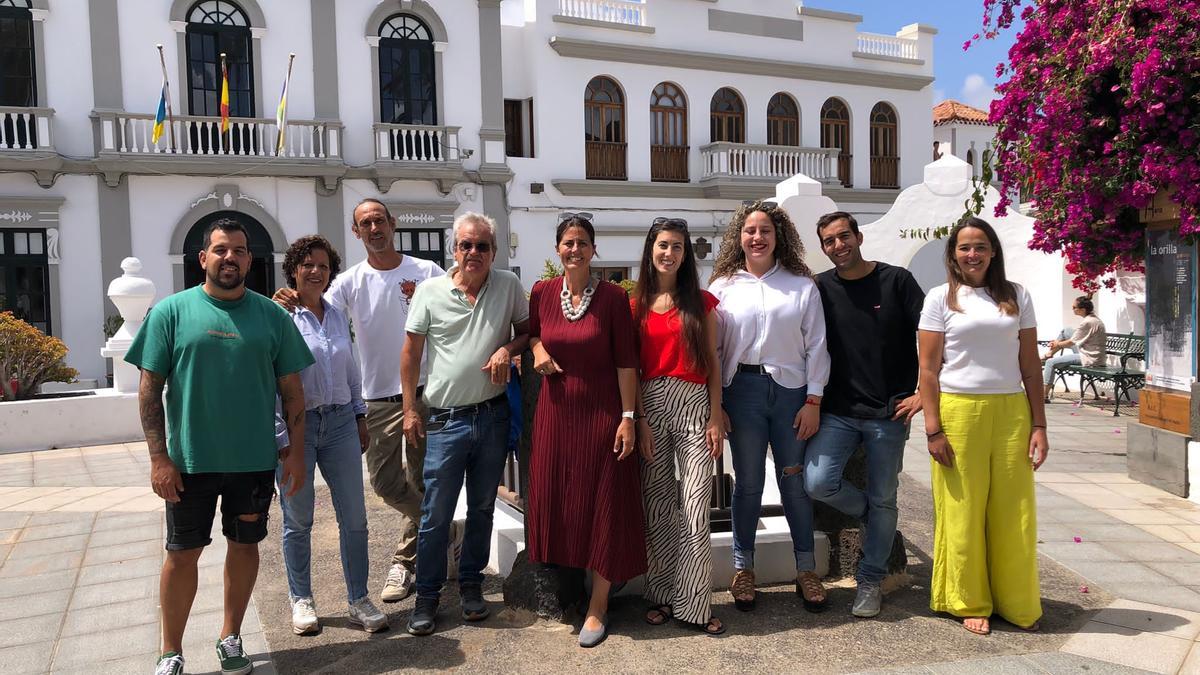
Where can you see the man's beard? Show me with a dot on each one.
(215, 279)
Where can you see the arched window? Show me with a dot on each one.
(18, 79)
(604, 129)
(407, 77)
(971, 161)
(727, 117)
(885, 151)
(668, 134)
(783, 121)
(835, 133)
(216, 27)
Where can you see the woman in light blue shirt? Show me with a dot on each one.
(335, 436)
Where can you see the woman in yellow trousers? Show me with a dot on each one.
(985, 419)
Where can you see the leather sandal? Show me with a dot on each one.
(742, 590)
(657, 615)
(985, 630)
(810, 589)
(712, 628)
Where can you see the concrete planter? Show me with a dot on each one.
(105, 416)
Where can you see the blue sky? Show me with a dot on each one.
(970, 76)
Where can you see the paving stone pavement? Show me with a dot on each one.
(81, 545)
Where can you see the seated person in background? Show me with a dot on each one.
(1088, 339)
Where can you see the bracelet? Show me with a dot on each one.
(936, 433)
(629, 415)
(812, 401)
(1037, 426)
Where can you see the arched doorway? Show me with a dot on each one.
(260, 278)
(928, 266)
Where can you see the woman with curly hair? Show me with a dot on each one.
(775, 367)
(335, 436)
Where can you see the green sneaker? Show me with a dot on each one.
(232, 656)
(170, 663)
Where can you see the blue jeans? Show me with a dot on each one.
(828, 452)
(1061, 359)
(762, 412)
(330, 441)
(460, 444)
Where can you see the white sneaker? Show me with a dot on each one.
(364, 613)
(454, 550)
(304, 616)
(399, 584)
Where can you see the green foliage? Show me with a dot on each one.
(550, 270)
(29, 357)
(628, 285)
(112, 324)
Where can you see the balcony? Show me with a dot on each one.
(27, 142)
(669, 163)
(621, 14)
(417, 151)
(768, 162)
(605, 160)
(888, 48)
(196, 146)
(885, 172)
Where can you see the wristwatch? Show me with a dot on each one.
(630, 415)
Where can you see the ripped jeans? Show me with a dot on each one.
(761, 412)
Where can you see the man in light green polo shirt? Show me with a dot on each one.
(468, 318)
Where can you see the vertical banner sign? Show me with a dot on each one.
(1170, 310)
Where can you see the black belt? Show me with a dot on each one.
(395, 398)
(756, 368)
(470, 409)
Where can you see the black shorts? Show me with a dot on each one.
(189, 520)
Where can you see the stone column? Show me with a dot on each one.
(132, 295)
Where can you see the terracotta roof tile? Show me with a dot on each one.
(952, 111)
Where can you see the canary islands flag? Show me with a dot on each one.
(160, 117)
(281, 113)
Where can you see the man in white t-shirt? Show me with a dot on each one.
(376, 294)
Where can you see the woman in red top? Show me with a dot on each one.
(681, 424)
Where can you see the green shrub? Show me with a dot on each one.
(29, 357)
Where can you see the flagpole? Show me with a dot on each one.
(167, 85)
(282, 123)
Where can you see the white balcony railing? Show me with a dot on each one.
(887, 45)
(628, 12)
(132, 133)
(416, 143)
(743, 160)
(23, 128)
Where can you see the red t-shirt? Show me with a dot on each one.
(663, 351)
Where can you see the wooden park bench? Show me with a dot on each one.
(1124, 348)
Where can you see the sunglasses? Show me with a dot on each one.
(766, 203)
(480, 246)
(569, 215)
(677, 222)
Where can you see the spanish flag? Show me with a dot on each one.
(224, 96)
(160, 117)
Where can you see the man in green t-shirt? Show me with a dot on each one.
(226, 352)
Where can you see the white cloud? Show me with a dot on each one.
(976, 92)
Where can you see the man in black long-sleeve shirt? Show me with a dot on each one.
(871, 314)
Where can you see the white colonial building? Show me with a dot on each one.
(522, 109)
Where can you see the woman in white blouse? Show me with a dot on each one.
(980, 382)
(774, 368)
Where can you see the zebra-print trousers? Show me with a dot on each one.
(677, 500)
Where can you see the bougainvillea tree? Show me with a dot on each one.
(1099, 112)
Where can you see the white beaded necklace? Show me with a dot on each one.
(576, 313)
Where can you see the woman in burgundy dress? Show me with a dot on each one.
(585, 507)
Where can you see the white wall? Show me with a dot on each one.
(939, 201)
(68, 52)
(957, 139)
